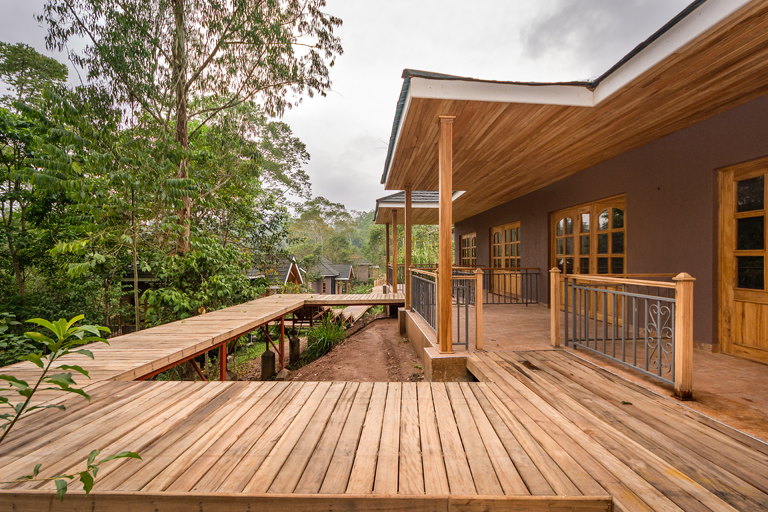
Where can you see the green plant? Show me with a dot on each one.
(67, 336)
(12, 346)
(321, 340)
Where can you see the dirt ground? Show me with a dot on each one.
(377, 353)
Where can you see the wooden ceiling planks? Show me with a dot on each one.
(506, 150)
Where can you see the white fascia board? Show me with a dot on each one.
(403, 116)
(698, 22)
(570, 95)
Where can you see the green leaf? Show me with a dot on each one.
(92, 456)
(14, 381)
(87, 480)
(36, 471)
(83, 352)
(73, 367)
(34, 358)
(45, 323)
(36, 336)
(74, 320)
(122, 455)
(61, 488)
(64, 380)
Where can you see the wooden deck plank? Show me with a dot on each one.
(337, 476)
(411, 471)
(435, 475)
(387, 465)
(364, 468)
(456, 465)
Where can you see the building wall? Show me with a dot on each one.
(361, 272)
(672, 204)
(330, 285)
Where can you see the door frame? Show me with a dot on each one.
(725, 241)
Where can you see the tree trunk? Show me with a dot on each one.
(134, 243)
(182, 132)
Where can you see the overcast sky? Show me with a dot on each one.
(346, 133)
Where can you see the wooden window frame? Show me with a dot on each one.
(505, 247)
(324, 287)
(468, 250)
(593, 209)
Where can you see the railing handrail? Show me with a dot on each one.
(425, 272)
(601, 279)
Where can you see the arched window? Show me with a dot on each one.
(469, 250)
(505, 246)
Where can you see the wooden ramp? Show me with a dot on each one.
(224, 446)
(647, 451)
(370, 299)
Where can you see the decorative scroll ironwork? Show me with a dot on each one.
(629, 323)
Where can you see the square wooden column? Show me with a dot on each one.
(445, 247)
(386, 265)
(394, 251)
(408, 220)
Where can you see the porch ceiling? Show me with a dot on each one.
(512, 139)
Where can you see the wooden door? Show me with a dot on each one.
(743, 292)
(505, 256)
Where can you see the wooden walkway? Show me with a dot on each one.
(543, 430)
(138, 354)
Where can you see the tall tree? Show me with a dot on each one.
(184, 61)
(26, 72)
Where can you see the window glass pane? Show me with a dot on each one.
(514, 250)
(602, 244)
(517, 262)
(618, 218)
(512, 235)
(560, 227)
(617, 243)
(750, 234)
(569, 245)
(584, 265)
(602, 221)
(750, 272)
(585, 244)
(559, 246)
(569, 265)
(506, 250)
(474, 254)
(749, 194)
(506, 235)
(518, 233)
(602, 265)
(585, 223)
(568, 226)
(506, 262)
(617, 265)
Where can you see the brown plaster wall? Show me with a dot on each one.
(672, 206)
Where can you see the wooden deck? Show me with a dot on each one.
(544, 430)
(138, 354)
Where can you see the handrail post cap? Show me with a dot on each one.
(554, 270)
(683, 276)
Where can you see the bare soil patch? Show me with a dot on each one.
(376, 353)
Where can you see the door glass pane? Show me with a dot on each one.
(617, 265)
(602, 265)
(506, 263)
(584, 266)
(585, 223)
(506, 250)
(602, 221)
(517, 262)
(568, 226)
(585, 244)
(569, 245)
(617, 243)
(750, 194)
(569, 265)
(751, 234)
(618, 218)
(750, 272)
(559, 246)
(560, 264)
(602, 244)
(512, 235)
(560, 227)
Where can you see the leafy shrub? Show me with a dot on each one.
(322, 339)
(12, 346)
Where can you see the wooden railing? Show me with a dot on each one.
(636, 321)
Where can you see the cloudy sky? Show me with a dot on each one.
(346, 132)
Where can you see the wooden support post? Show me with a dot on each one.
(479, 309)
(554, 303)
(407, 267)
(282, 342)
(223, 362)
(445, 247)
(684, 336)
(386, 266)
(394, 251)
